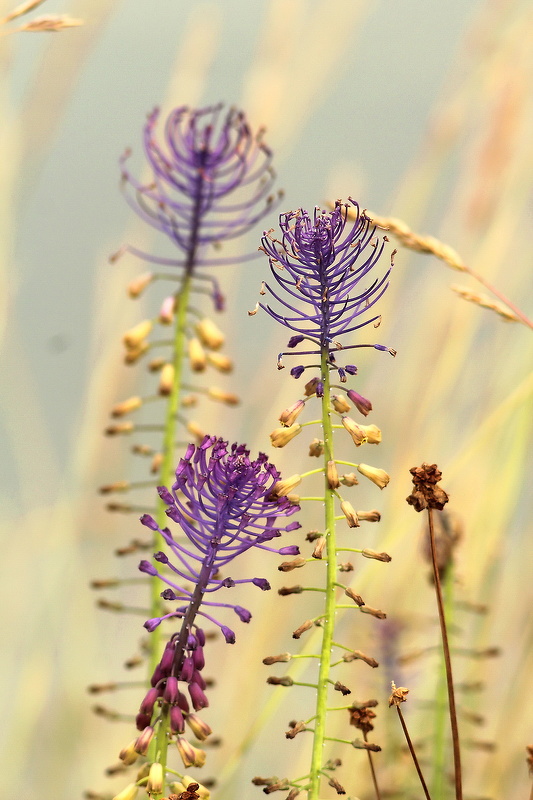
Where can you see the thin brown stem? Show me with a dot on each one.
(372, 770)
(447, 663)
(412, 751)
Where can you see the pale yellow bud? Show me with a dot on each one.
(349, 479)
(282, 436)
(289, 416)
(285, 487)
(332, 475)
(131, 404)
(350, 513)
(155, 466)
(377, 476)
(200, 728)
(138, 285)
(128, 755)
(128, 793)
(166, 380)
(135, 353)
(196, 431)
(369, 516)
(166, 312)
(197, 357)
(372, 434)
(155, 778)
(340, 404)
(136, 336)
(223, 397)
(316, 448)
(220, 362)
(355, 431)
(210, 334)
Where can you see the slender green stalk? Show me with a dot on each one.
(438, 785)
(331, 575)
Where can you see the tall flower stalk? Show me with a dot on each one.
(323, 267)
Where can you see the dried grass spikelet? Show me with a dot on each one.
(20, 10)
(197, 357)
(166, 380)
(220, 362)
(51, 23)
(485, 302)
(223, 397)
(209, 334)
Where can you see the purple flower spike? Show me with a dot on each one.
(202, 157)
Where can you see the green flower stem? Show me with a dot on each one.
(331, 574)
(348, 463)
(311, 498)
(311, 472)
(161, 742)
(440, 744)
(311, 422)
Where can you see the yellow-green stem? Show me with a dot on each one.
(329, 611)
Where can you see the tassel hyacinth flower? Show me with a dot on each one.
(323, 290)
(224, 504)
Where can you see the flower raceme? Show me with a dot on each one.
(225, 503)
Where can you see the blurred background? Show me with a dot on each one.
(421, 111)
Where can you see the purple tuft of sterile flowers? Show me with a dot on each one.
(323, 263)
(211, 180)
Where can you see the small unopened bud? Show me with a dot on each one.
(332, 475)
(290, 414)
(340, 404)
(293, 794)
(119, 428)
(155, 778)
(143, 741)
(155, 466)
(133, 355)
(285, 487)
(312, 536)
(298, 727)
(336, 785)
(377, 476)
(142, 449)
(191, 756)
(349, 479)
(197, 725)
(354, 596)
(350, 513)
(340, 687)
(296, 563)
(283, 681)
(121, 409)
(282, 436)
(269, 660)
(220, 362)
(128, 755)
(156, 364)
(189, 400)
(196, 431)
(377, 556)
(118, 486)
(305, 626)
(399, 695)
(286, 590)
(135, 337)
(311, 386)
(166, 312)
(359, 744)
(316, 448)
(138, 285)
(363, 405)
(369, 516)
(166, 380)
(374, 612)
(197, 357)
(357, 655)
(209, 334)
(346, 566)
(319, 547)
(223, 397)
(128, 793)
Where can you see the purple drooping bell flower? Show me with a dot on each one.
(323, 264)
(204, 157)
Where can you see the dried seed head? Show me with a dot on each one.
(340, 404)
(210, 334)
(332, 475)
(362, 718)
(350, 513)
(347, 566)
(319, 547)
(374, 612)
(135, 337)
(131, 404)
(316, 448)
(197, 357)
(138, 285)
(227, 398)
(399, 695)
(166, 380)
(377, 476)
(220, 362)
(336, 785)
(282, 436)
(340, 687)
(377, 556)
(290, 415)
(305, 626)
(349, 479)
(354, 596)
(426, 492)
(294, 729)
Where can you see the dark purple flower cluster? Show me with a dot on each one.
(224, 504)
(321, 262)
(206, 156)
